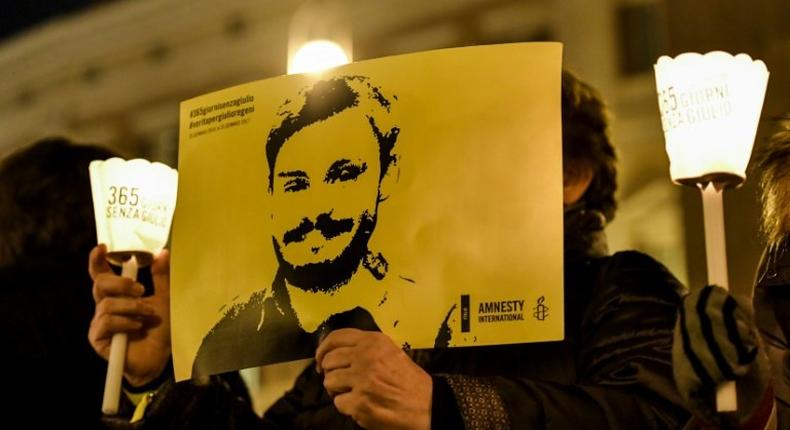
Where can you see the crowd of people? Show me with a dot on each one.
(640, 351)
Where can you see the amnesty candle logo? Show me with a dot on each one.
(502, 310)
(541, 310)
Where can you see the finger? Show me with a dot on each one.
(97, 261)
(124, 306)
(337, 339)
(346, 404)
(106, 325)
(354, 406)
(339, 381)
(160, 273)
(339, 358)
(111, 285)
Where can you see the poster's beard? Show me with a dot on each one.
(329, 275)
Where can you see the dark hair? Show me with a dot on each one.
(585, 141)
(773, 163)
(327, 98)
(46, 206)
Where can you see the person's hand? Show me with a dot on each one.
(120, 308)
(373, 381)
(716, 340)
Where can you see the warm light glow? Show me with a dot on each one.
(133, 203)
(710, 106)
(316, 56)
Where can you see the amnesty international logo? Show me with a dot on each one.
(501, 310)
(541, 311)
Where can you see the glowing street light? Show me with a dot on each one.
(316, 56)
(319, 37)
(133, 203)
(710, 107)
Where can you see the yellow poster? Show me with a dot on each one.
(419, 195)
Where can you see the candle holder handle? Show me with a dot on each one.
(117, 359)
(716, 256)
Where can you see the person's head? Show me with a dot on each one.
(774, 166)
(589, 160)
(46, 208)
(327, 159)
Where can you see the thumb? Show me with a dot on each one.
(160, 272)
(97, 261)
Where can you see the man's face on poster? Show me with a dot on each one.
(325, 192)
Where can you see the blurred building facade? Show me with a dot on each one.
(115, 73)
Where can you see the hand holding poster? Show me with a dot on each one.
(419, 195)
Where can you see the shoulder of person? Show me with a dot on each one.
(637, 275)
(633, 306)
(635, 259)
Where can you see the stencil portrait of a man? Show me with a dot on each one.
(331, 159)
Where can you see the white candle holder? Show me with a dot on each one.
(710, 108)
(133, 202)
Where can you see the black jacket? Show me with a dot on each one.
(771, 301)
(613, 370)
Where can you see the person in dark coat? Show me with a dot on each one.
(46, 227)
(54, 378)
(613, 370)
(771, 296)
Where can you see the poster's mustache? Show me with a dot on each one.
(327, 226)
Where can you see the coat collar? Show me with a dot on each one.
(584, 236)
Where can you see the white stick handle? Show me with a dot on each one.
(716, 255)
(112, 385)
(715, 246)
